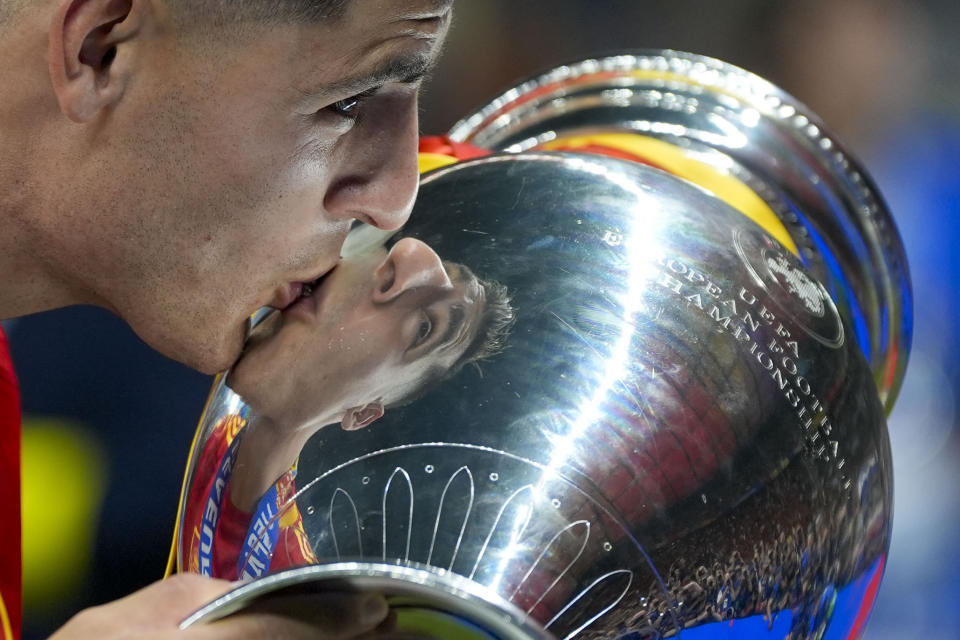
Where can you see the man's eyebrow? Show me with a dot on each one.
(403, 69)
(457, 317)
(439, 9)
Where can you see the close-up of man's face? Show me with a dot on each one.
(370, 333)
(236, 165)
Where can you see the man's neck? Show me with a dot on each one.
(265, 454)
(29, 282)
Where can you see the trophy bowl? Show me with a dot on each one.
(647, 347)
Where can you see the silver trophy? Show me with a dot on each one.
(627, 376)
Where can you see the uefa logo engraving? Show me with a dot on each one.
(784, 279)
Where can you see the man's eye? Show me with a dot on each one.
(350, 107)
(423, 330)
(346, 107)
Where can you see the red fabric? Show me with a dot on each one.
(293, 548)
(10, 554)
(447, 147)
(443, 145)
(603, 150)
(867, 604)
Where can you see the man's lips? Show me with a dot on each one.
(302, 296)
(304, 307)
(293, 292)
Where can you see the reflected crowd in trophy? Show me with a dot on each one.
(883, 78)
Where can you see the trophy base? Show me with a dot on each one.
(427, 602)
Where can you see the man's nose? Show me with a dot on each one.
(410, 265)
(377, 176)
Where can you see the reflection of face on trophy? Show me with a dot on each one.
(366, 337)
(686, 425)
(384, 326)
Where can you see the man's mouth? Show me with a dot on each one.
(304, 290)
(307, 289)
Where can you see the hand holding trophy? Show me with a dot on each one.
(629, 374)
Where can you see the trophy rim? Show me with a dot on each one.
(417, 586)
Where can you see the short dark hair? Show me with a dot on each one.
(493, 327)
(223, 13)
(9, 9)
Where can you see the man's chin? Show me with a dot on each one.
(216, 362)
(212, 354)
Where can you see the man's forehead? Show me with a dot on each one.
(463, 278)
(376, 43)
(402, 68)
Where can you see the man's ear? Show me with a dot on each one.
(360, 417)
(84, 37)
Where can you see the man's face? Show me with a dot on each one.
(233, 171)
(368, 334)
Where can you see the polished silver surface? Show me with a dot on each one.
(745, 126)
(684, 432)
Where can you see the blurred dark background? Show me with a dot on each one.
(108, 423)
